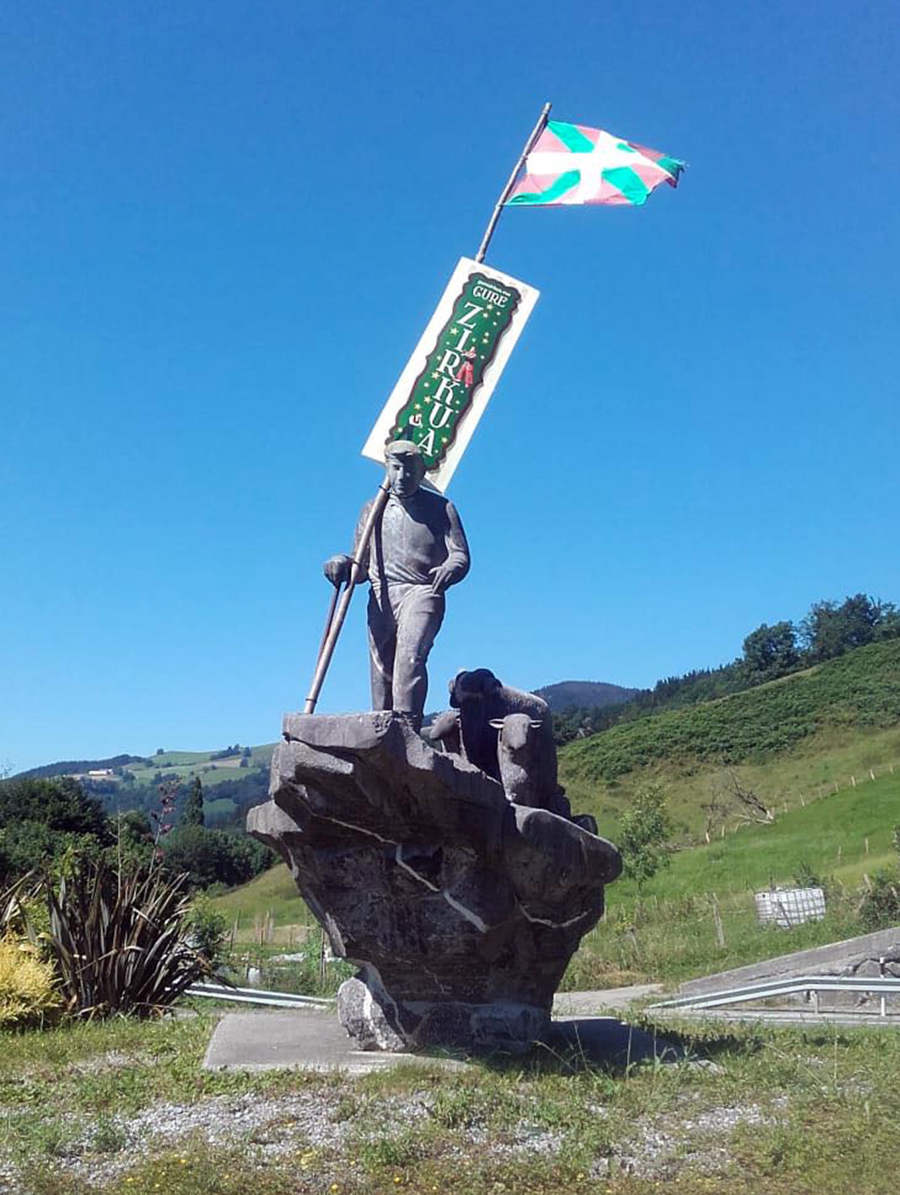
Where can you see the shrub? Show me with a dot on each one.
(41, 818)
(644, 835)
(879, 907)
(27, 992)
(122, 940)
(207, 930)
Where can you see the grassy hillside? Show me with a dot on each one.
(272, 896)
(791, 740)
(669, 931)
(231, 781)
(842, 836)
(184, 765)
(214, 767)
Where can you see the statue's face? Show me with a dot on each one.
(405, 474)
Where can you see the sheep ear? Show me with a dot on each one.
(497, 723)
(535, 723)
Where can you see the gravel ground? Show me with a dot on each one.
(693, 1141)
(307, 1122)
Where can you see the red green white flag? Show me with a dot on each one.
(570, 163)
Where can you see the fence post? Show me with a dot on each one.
(717, 921)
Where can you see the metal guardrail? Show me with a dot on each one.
(215, 991)
(811, 985)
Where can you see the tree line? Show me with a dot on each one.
(828, 630)
(46, 822)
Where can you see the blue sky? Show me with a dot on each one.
(225, 227)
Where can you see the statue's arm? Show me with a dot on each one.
(337, 568)
(456, 565)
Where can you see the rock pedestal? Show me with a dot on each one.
(460, 908)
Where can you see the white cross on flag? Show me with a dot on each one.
(572, 163)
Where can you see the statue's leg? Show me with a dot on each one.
(419, 616)
(382, 646)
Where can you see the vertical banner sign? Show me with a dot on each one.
(449, 379)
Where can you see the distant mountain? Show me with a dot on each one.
(583, 694)
(73, 767)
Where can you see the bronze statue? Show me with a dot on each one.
(418, 549)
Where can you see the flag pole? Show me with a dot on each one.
(504, 194)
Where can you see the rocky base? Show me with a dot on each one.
(461, 908)
(378, 1023)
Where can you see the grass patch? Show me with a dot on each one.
(780, 1112)
(668, 931)
(269, 907)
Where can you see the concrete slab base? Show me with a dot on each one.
(314, 1040)
(310, 1040)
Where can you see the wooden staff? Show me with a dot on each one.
(504, 194)
(329, 619)
(333, 627)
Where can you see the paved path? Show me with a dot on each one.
(582, 1003)
(834, 959)
(313, 1039)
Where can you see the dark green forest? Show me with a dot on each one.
(830, 629)
(859, 690)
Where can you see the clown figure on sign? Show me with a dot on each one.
(466, 371)
(417, 551)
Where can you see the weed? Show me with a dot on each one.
(109, 1137)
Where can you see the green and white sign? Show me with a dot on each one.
(448, 381)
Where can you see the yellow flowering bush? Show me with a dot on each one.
(27, 992)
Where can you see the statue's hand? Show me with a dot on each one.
(337, 569)
(441, 577)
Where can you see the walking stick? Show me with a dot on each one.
(329, 640)
(329, 618)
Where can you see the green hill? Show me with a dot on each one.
(698, 915)
(789, 740)
(233, 779)
(213, 767)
